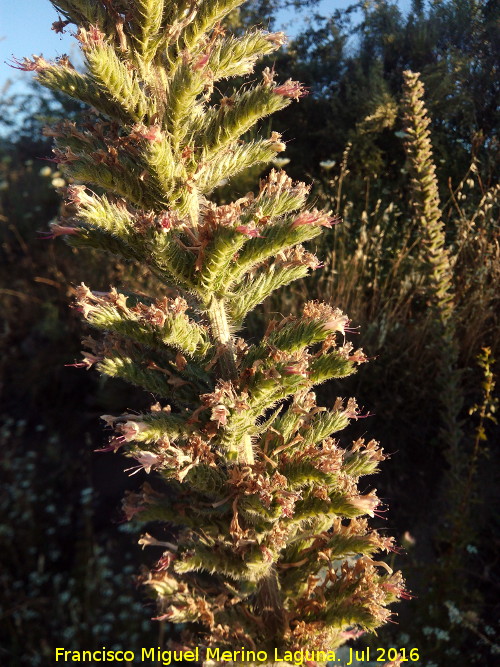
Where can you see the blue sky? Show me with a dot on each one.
(25, 28)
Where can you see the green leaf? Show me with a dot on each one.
(330, 366)
(117, 81)
(236, 56)
(233, 160)
(81, 87)
(297, 335)
(210, 12)
(275, 238)
(223, 126)
(185, 87)
(83, 12)
(177, 331)
(226, 242)
(148, 16)
(254, 290)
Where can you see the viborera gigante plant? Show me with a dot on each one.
(272, 549)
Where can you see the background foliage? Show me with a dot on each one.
(63, 565)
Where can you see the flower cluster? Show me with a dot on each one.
(270, 543)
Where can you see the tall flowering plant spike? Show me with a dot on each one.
(435, 260)
(273, 548)
(425, 199)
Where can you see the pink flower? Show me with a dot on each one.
(59, 230)
(129, 430)
(352, 634)
(367, 504)
(166, 221)
(146, 461)
(249, 231)
(113, 445)
(165, 561)
(315, 218)
(77, 195)
(91, 37)
(295, 369)
(201, 61)
(38, 64)
(152, 133)
(395, 585)
(337, 322)
(88, 361)
(352, 410)
(277, 38)
(95, 34)
(220, 414)
(292, 89)
(358, 357)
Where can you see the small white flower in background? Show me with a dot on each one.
(58, 182)
(327, 164)
(438, 632)
(408, 540)
(280, 162)
(453, 612)
(46, 171)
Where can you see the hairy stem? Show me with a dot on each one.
(226, 364)
(221, 334)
